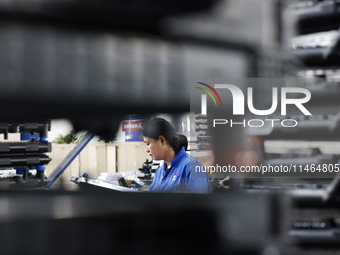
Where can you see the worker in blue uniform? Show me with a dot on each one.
(179, 170)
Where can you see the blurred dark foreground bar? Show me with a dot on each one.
(144, 223)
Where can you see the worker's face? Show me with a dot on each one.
(154, 147)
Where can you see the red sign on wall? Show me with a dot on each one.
(132, 125)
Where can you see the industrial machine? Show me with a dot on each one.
(24, 156)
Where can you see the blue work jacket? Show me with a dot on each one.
(183, 175)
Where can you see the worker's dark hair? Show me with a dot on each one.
(183, 141)
(160, 127)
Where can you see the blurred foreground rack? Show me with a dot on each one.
(143, 223)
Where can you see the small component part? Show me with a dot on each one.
(74, 179)
(122, 182)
